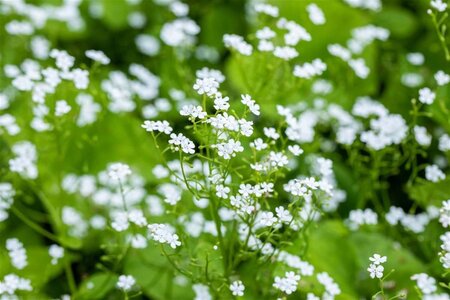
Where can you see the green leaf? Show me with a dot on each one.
(96, 286)
(365, 244)
(329, 251)
(427, 193)
(154, 275)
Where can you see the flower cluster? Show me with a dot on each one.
(6, 199)
(376, 268)
(17, 253)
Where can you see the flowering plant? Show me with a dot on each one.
(273, 156)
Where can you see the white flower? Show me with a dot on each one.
(25, 161)
(250, 103)
(63, 60)
(278, 159)
(359, 67)
(286, 52)
(375, 270)
(434, 174)
(98, 56)
(422, 136)
(426, 96)
(245, 127)
(265, 33)
(258, 144)
(138, 241)
(339, 51)
(163, 234)
(425, 283)
(265, 46)
(237, 42)
(221, 103)
(118, 171)
(283, 214)
(12, 283)
(210, 73)
(445, 260)
(180, 32)
(444, 217)
(267, 219)
(415, 58)
(222, 191)
(147, 44)
(201, 292)
(237, 288)
(119, 221)
(377, 259)
(309, 70)
(161, 126)
(287, 284)
(80, 78)
(359, 217)
(62, 108)
(229, 148)
(56, 252)
(394, 215)
(267, 9)
(180, 142)
(6, 199)
(245, 189)
(206, 86)
(17, 253)
(125, 282)
(193, 112)
(439, 5)
(331, 287)
(315, 14)
(271, 132)
(442, 78)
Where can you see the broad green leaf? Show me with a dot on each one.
(96, 286)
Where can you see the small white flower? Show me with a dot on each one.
(415, 58)
(258, 144)
(62, 108)
(251, 104)
(267, 219)
(17, 253)
(118, 171)
(434, 174)
(161, 126)
(125, 282)
(287, 284)
(442, 78)
(206, 86)
(237, 288)
(221, 103)
(375, 271)
(425, 283)
(421, 135)
(439, 5)
(271, 132)
(180, 142)
(426, 96)
(377, 259)
(222, 191)
(164, 234)
(286, 52)
(56, 252)
(98, 56)
(193, 112)
(295, 149)
(315, 14)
